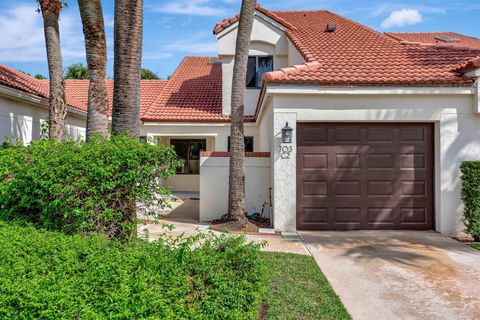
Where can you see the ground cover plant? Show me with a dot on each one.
(76, 186)
(51, 275)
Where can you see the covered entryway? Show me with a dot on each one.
(365, 176)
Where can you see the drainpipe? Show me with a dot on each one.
(476, 95)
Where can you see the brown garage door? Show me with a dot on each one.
(364, 176)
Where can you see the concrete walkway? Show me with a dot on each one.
(399, 275)
(184, 218)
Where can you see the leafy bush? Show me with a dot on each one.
(471, 197)
(76, 186)
(50, 275)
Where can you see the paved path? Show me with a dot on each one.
(399, 275)
(185, 220)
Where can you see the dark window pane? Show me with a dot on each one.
(248, 144)
(251, 72)
(265, 64)
(188, 152)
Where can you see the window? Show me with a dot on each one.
(188, 152)
(257, 66)
(248, 144)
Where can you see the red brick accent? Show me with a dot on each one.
(224, 154)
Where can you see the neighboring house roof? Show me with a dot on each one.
(193, 93)
(18, 80)
(446, 38)
(356, 55)
(150, 89)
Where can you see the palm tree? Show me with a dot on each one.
(147, 74)
(127, 64)
(57, 110)
(96, 48)
(236, 192)
(76, 71)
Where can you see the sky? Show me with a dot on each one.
(174, 29)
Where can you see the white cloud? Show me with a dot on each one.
(190, 7)
(23, 38)
(403, 17)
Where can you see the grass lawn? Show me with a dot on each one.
(476, 245)
(299, 290)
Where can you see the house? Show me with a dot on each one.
(381, 122)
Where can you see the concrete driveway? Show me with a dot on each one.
(399, 274)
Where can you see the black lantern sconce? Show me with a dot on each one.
(287, 134)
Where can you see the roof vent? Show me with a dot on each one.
(331, 27)
(446, 38)
(214, 60)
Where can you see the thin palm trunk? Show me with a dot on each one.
(127, 64)
(236, 194)
(96, 49)
(57, 110)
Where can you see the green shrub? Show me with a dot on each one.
(51, 275)
(76, 186)
(471, 197)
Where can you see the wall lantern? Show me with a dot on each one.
(287, 134)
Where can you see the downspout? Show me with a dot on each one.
(476, 88)
(476, 96)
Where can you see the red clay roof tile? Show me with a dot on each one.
(431, 38)
(18, 80)
(193, 93)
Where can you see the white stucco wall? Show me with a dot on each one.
(294, 57)
(23, 120)
(456, 139)
(268, 38)
(214, 185)
(216, 133)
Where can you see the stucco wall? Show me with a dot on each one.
(457, 139)
(184, 182)
(266, 39)
(216, 133)
(214, 185)
(23, 120)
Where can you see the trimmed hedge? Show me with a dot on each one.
(471, 197)
(51, 275)
(76, 186)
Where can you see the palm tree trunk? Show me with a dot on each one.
(236, 194)
(57, 110)
(127, 64)
(96, 49)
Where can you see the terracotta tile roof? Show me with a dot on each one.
(150, 89)
(356, 55)
(17, 80)
(469, 65)
(431, 38)
(193, 93)
(229, 21)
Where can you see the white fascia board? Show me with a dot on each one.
(35, 100)
(22, 96)
(194, 124)
(183, 134)
(269, 20)
(368, 90)
(258, 14)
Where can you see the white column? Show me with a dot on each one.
(284, 175)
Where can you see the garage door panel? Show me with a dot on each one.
(365, 176)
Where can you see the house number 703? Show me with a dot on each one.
(285, 151)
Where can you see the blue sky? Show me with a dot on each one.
(177, 28)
